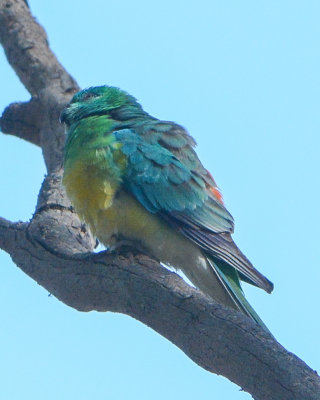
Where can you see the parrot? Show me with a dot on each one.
(134, 178)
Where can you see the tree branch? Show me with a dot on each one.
(23, 120)
(26, 46)
(27, 49)
(55, 247)
(8, 233)
(218, 339)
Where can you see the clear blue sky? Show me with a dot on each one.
(243, 78)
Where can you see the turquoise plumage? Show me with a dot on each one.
(135, 177)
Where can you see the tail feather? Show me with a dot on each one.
(229, 279)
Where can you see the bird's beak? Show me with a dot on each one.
(63, 115)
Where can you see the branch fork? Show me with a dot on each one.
(55, 248)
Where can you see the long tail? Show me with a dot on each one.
(229, 279)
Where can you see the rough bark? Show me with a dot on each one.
(55, 248)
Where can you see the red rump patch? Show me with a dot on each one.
(213, 189)
(216, 192)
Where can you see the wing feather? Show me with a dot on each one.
(166, 176)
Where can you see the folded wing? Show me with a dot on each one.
(166, 177)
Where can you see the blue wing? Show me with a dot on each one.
(166, 177)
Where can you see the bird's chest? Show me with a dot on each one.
(113, 213)
(99, 199)
(92, 189)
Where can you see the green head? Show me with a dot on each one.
(101, 100)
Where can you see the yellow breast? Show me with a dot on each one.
(89, 190)
(113, 213)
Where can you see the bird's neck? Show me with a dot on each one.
(129, 117)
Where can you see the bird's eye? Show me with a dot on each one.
(88, 96)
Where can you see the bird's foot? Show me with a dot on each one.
(122, 246)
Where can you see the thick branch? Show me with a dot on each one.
(8, 233)
(218, 339)
(26, 46)
(23, 120)
(55, 248)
